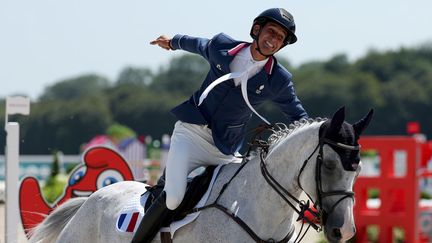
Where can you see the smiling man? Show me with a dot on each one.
(211, 124)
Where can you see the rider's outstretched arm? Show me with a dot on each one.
(188, 43)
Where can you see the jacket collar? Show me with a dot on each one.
(268, 67)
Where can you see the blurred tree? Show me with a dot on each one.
(74, 88)
(284, 62)
(135, 76)
(64, 125)
(183, 75)
(405, 101)
(377, 64)
(143, 110)
(406, 77)
(338, 64)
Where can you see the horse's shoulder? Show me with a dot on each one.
(226, 173)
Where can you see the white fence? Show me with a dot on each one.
(39, 166)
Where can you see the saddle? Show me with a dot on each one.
(195, 189)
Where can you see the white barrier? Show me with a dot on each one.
(12, 172)
(14, 105)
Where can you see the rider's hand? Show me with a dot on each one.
(162, 41)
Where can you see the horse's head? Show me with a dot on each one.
(338, 165)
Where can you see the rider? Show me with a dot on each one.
(211, 124)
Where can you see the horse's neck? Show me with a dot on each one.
(251, 198)
(286, 157)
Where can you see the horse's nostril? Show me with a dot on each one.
(337, 233)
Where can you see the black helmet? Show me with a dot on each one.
(279, 16)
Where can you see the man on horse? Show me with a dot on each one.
(211, 124)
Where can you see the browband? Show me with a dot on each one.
(341, 145)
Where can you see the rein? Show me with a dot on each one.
(238, 220)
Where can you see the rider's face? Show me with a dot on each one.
(271, 38)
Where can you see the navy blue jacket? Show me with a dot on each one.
(224, 109)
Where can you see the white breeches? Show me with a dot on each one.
(191, 146)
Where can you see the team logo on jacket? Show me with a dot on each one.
(218, 66)
(260, 88)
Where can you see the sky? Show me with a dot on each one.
(46, 41)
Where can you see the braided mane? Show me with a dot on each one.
(281, 131)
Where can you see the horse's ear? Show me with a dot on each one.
(337, 119)
(361, 125)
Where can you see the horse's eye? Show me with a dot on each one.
(330, 164)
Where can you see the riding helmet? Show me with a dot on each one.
(279, 16)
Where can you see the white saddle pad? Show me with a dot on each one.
(131, 215)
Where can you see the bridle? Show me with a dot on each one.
(318, 179)
(284, 194)
(320, 215)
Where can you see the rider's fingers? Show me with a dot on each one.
(161, 44)
(158, 40)
(161, 41)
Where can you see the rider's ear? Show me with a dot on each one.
(255, 29)
(361, 125)
(337, 119)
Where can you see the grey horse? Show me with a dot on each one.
(317, 156)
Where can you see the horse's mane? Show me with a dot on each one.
(280, 131)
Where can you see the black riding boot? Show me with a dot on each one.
(161, 180)
(152, 221)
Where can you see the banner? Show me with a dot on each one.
(17, 105)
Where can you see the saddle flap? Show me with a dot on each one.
(195, 189)
(198, 191)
